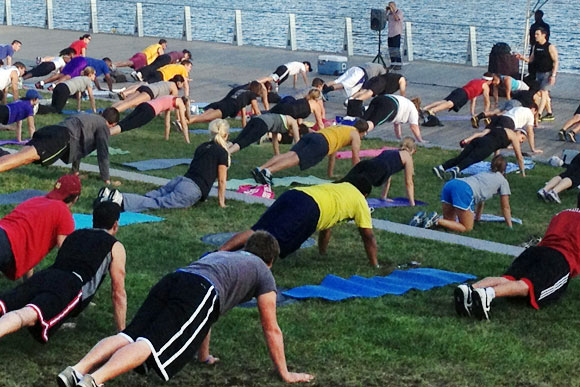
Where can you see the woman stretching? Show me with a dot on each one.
(210, 161)
(145, 112)
(461, 197)
(73, 86)
(149, 91)
(301, 108)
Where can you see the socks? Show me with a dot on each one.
(490, 293)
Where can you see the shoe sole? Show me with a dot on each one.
(474, 123)
(460, 299)
(548, 119)
(62, 381)
(429, 220)
(478, 308)
(571, 137)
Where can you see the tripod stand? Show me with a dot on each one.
(379, 57)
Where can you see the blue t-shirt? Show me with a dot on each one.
(6, 51)
(19, 110)
(99, 65)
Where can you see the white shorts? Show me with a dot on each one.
(352, 80)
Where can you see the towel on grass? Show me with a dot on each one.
(127, 218)
(112, 151)
(222, 237)
(287, 181)
(364, 152)
(334, 288)
(497, 218)
(20, 196)
(396, 202)
(147, 165)
(485, 166)
(205, 131)
(13, 142)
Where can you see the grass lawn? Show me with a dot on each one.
(414, 339)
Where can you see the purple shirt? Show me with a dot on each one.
(175, 56)
(74, 67)
(395, 26)
(19, 110)
(6, 51)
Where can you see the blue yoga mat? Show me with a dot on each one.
(396, 202)
(13, 142)
(454, 118)
(222, 237)
(73, 112)
(205, 131)
(497, 218)
(20, 196)
(334, 288)
(127, 218)
(485, 166)
(147, 165)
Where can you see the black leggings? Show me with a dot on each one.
(382, 108)
(478, 150)
(149, 70)
(142, 115)
(60, 95)
(255, 129)
(41, 70)
(154, 76)
(4, 114)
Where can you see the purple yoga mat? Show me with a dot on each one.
(12, 142)
(396, 202)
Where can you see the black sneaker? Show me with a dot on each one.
(257, 175)
(475, 122)
(571, 136)
(562, 135)
(267, 176)
(481, 304)
(430, 220)
(116, 197)
(452, 173)
(438, 171)
(104, 194)
(67, 378)
(462, 298)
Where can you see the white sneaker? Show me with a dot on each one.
(462, 298)
(481, 305)
(67, 378)
(553, 196)
(116, 197)
(104, 194)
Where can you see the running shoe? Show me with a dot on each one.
(475, 122)
(452, 173)
(562, 135)
(139, 76)
(481, 304)
(116, 196)
(257, 175)
(267, 176)
(38, 60)
(438, 171)
(104, 194)
(553, 196)
(487, 121)
(571, 136)
(67, 378)
(88, 381)
(548, 117)
(417, 220)
(176, 125)
(39, 85)
(134, 76)
(462, 298)
(542, 194)
(430, 220)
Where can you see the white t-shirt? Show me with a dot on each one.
(522, 117)
(407, 112)
(5, 76)
(295, 67)
(58, 63)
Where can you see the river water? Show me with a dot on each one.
(440, 28)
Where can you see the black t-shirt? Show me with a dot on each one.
(204, 166)
(244, 98)
(526, 97)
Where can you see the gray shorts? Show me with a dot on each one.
(544, 80)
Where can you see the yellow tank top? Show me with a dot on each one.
(171, 70)
(337, 136)
(151, 52)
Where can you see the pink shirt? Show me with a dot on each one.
(395, 26)
(162, 104)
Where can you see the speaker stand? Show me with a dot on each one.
(379, 58)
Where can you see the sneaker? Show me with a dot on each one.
(475, 122)
(39, 85)
(51, 87)
(257, 175)
(67, 378)
(116, 197)
(104, 194)
(267, 176)
(176, 125)
(548, 117)
(134, 76)
(430, 220)
(542, 194)
(571, 136)
(480, 304)
(553, 196)
(463, 143)
(38, 60)
(452, 173)
(88, 381)
(462, 298)
(487, 121)
(417, 220)
(139, 76)
(438, 171)
(562, 135)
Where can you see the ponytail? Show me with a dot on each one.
(219, 130)
(408, 144)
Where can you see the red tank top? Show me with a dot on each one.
(563, 234)
(474, 88)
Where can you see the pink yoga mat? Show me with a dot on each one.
(364, 152)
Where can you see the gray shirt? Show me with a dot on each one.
(237, 276)
(160, 89)
(486, 184)
(373, 69)
(276, 122)
(77, 84)
(87, 133)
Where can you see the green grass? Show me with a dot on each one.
(415, 339)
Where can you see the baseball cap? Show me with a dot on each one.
(32, 94)
(64, 187)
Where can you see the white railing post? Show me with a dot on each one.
(472, 48)
(238, 39)
(8, 12)
(186, 23)
(291, 38)
(49, 20)
(408, 48)
(94, 22)
(348, 46)
(139, 20)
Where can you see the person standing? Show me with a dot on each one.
(395, 29)
(539, 22)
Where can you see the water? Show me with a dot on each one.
(440, 29)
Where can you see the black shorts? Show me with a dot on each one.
(51, 143)
(228, 107)
(291, 220)
(4, 114)
(502, 122)
(155, 76)
(146, 89)
(6, 255)
(282, 73)
(573, 171)
(544, 270)
(458, 97)
(252, 133)
(174, 320)
(577, 110)
(311, 149)
(53, 294)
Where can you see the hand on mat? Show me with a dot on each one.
(294, 377)
(211, 360)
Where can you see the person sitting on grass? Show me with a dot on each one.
(145, 112)
(143, 92)
(541, 273)
(16, 111)
(573, 124)
(299, 212)
(210, 161)
(565, 180)
(35, 226)
(312, 149)
(462, 200)
(173, 325)
(379, 170)
(51, 296)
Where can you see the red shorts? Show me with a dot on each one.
(139, 60)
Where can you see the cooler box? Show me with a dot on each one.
(332, 64)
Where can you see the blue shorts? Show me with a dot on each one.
(459, 194)
(311, 149)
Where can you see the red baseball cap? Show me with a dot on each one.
(64, 187)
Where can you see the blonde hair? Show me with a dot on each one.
(417, 102)
(408, 144)
(88, 71)
(313, 94)
(219, 129)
